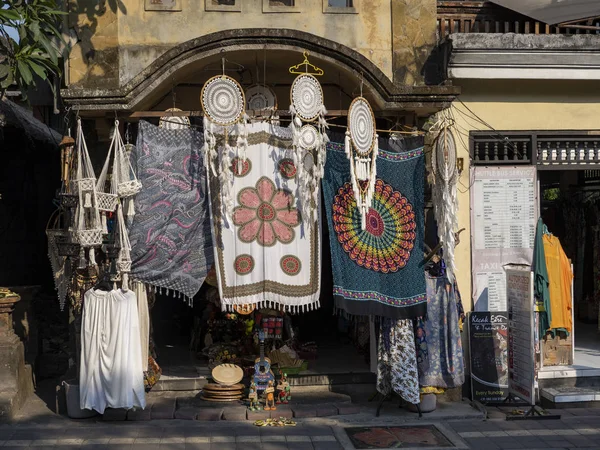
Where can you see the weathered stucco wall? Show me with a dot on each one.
(516, 105)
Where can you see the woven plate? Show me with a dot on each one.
(213, 387)
(223, 100)
(307, 97)
(220, 400)
(260, 97)
(174, 122)
(361, 124)
(207, 394)
(227, 374)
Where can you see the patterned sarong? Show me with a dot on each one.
(265, 255)
(377, 271)
(170, 234)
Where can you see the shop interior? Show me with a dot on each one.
(570, 208)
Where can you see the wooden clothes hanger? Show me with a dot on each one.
(316, 71)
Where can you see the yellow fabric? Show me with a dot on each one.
(560, 277)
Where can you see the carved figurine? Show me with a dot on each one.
(270, 397)
(283, 388)
(253, 398)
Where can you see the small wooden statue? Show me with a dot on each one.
(270, 397)
(284, 392)
(253, 398)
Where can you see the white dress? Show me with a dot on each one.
(111, 372)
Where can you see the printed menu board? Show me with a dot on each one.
(488, 345)
(504, 213)
(521, 357)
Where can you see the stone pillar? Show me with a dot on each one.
(414, 24)
(15, 379)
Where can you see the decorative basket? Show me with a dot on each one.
(67, 248)
(107, 202)
(89, 238)
(68, 200)
(84, 184)
(124, 266)
(129, 188)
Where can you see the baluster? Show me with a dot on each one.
(505, 156)
(583, 152)
(596, 151)
(477, 157)
(495, 151)
(573, 153)
(486, 149)
(540, 153)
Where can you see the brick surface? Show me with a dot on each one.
(345, 409)
(140, 414)
(301, 412)
(282, 411)
(326, 410)
(258, 415)
(163, 408)
(234, 413)
(186, 413)
(209, 414)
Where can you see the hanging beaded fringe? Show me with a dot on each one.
(125, 281)
(88, 200)
(92, 257)
(104, 225)
(130, 211)
(82, 260)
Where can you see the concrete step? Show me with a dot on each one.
(570, 397)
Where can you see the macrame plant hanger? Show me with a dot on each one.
(122, 242)
(361, 145)
(224, 106)
(445, 200)
(125, 179)
(309, 135)
(88, 228)
(107, 201)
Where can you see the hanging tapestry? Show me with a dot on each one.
(446, 364)
(170, 239)
(265, 254)
(397, 361)
(376, 271)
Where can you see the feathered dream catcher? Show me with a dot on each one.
(223, 103)
(445, 200)
(309, 141)
(88, 228)
(361, 149)
(173, 122)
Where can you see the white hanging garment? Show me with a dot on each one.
(111, 371)
(144, 317)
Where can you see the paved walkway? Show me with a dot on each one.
(580, 431)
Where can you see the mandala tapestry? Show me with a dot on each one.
(170, 239)
(265, 254)
(376, 270)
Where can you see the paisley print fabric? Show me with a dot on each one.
(446, 364)
(171, 247)
(396, 360)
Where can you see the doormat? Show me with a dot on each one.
(414, 436)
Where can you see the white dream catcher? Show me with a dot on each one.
(309, 141)
(223, 103)
(262, 98)
(361, 149)
(445, 200)
(173, 122)
(88, 229)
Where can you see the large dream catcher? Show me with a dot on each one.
(361, 150)
(223, 103)
(309, 139)
(445, 200)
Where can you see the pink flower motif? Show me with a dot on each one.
(266, 214)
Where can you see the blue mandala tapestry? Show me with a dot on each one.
(377, 271)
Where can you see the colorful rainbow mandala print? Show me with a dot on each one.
(386, 243)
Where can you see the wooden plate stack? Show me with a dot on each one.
(213, 392)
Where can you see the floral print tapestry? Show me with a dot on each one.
(377, 271)
(265, 254)
(170, 240)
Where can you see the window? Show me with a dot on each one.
(223, 5)
(281, 6)
(340, 3)
(281, 3)
(340, 6)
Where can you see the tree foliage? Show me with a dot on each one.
(39, 46)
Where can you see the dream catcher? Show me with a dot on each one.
(88, 228)
(310, 139)
(445, 200)
(262, 98)
(223, 104)
(172, 122)
(361, 150)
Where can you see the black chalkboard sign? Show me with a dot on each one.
(488, 347)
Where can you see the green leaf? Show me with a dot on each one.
(4, 69)
(8, 81)
(24, 72)
(39, 70)
(9, 14)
